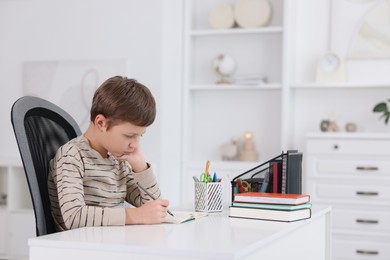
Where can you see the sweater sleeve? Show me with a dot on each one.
(66, 193)
(147, 180)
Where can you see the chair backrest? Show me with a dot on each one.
(40, 128)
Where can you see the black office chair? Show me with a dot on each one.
(40, 128)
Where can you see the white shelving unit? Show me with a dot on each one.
(216, 113)
(279, 113)
(17, 221)
(347, 85)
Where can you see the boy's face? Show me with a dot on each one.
(123, 140)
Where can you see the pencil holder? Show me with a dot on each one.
(208, 196)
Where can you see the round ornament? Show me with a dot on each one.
(324, 125)
(252, 13)
(221, 17)
(350, 127)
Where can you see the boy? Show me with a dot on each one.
(92, 175)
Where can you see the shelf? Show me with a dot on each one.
(347, 135)
(226, 87)
(11, 162)
(223, 165)
(346, 85)
(25, 211)
(13, 184)
(236, 31)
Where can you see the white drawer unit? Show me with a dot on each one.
(358, 249)
(349, 168)
(349, 192)
(351, 172)
(368, 220)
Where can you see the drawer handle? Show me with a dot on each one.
(367, 221)
(367, 252)
(367, 193)
(367, 168)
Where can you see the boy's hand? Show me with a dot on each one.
(152, 212)
(136, 159)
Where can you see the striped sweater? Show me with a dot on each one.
(86, 189)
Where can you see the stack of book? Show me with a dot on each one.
(250, 80)
(271, 206)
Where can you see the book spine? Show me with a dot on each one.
(288, 199)
(284, 173)
(269, 214)
(271, 206)
(265, 184)
(264, 200)
(275, 177)
(294, 173)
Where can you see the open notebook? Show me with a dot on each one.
(184, 216)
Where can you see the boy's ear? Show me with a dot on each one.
(100, 122)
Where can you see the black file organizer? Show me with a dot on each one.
(289, 165)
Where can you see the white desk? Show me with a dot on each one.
(214, 237)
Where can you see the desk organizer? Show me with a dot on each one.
(208, 196)
(281, 174)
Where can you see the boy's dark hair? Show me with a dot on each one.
(120, 99)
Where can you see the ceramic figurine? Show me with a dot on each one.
(324, 125)
(350, 127)
(229, 150)
(333, 127)
(329, 126)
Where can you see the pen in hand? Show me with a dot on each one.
(150, 195)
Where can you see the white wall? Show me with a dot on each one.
(45, 30)
(75, 30)
(325, 25)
